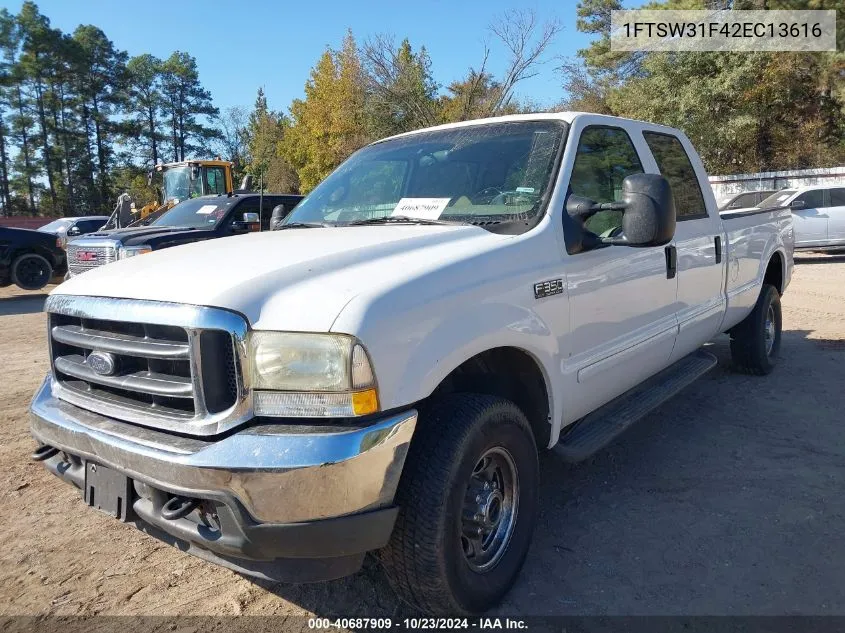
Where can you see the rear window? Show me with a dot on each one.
(675, 166)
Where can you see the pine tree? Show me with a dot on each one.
(145, 105)
(187, 106)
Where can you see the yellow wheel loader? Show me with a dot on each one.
(179, 181)
(188, 179)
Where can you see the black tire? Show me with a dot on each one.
(426, 560)
(755, 342)
(31, 271)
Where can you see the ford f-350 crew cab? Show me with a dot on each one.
(380, 374)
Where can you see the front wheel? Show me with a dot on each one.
(755, 342)
(31, 271)
(468, 503)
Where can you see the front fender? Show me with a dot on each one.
(412, 356)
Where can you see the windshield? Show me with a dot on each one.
(178, 184)
(777, 199)
(482, 174)
(198, 213)
(55, 226)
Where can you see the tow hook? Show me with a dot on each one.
(178, 507)
(45, 451)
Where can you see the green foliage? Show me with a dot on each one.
(264, 133)
(76, 115)
(330, 123)
(745, 112)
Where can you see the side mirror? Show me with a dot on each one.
(74, 230)
(279, 214)
(797, 204)
(648, 217)
(250, 223)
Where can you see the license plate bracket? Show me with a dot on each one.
(108, 491)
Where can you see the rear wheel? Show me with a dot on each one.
(755, 342)
(31, 271)
(468, 503)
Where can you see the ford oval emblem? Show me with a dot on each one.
(102, 363)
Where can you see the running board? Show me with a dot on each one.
(596, 430)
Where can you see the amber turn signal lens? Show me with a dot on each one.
(365, 402)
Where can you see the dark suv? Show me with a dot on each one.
(193, 220)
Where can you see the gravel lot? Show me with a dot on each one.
(728, 500)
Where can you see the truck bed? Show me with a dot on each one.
(750, 238)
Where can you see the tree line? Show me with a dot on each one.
(745, 112)
(358, 93)
(80, 120)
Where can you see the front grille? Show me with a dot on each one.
(81, 258)
(161, 375)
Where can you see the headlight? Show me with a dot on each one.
(130, 251)
(311, 375)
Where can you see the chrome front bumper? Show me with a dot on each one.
(267, 479)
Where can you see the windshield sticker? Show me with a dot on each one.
(206, 209)
(525, 189)
(422, 208)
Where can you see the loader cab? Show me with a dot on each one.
(192, 179)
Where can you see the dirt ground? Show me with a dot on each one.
(728, 500)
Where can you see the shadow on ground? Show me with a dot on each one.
(23, 304)
(836, 256)
(727, 500)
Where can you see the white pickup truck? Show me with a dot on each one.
(379, 375)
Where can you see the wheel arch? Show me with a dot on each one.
(509, 372)
(775, 272)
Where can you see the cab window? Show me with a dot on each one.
(837, 197)
(247, 206)
(605, 157)
(812, 199)
(675, 166)
(215, 180)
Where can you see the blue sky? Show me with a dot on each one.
(240, 46)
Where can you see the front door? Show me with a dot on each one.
(622, 310)
(809, 218)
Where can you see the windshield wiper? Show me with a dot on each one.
(398, 219)
(300, 225)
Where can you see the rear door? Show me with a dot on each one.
(836, 216)
(809, 218)
(698, 239)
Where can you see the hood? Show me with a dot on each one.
(134, 236)
(296, 279)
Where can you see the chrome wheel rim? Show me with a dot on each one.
(490, 507)
(769, 330)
